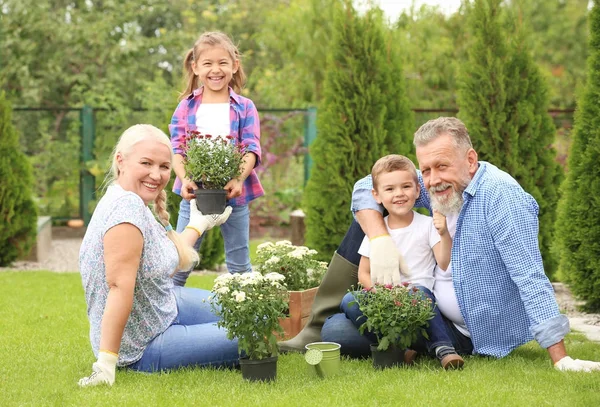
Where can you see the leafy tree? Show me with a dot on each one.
(363, 116)
(578, 224)
(17, 210)
(503, 102)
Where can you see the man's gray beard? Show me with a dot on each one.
(452, 205)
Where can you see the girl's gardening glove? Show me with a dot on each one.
(103, 371)
(201, 223)
(577, 365)
(386, 261)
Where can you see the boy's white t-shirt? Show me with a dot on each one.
(415, 243)
(444, 288)
(213, 119)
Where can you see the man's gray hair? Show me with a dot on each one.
(443, 125)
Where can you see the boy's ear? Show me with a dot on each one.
(376, 196)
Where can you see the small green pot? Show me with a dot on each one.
(323, 358)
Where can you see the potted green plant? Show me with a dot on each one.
(211, 162)
(249, 306)
(303, 274)
(395, 315)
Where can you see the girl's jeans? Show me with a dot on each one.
(192, 340)
(236, 234)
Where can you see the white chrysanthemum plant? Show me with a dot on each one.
(298, 264)
(250, 305)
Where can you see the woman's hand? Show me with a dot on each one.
(201, 223)
(103, 371)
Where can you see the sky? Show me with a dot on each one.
(393, 8)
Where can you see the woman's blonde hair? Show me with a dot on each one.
(130, 137)
(209, 40)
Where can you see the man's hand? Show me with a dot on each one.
(385, 261)
(187, 189)
(439, 221)
(103, 371)
(567, 364)
(201, 223)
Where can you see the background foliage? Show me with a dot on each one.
(126, 57)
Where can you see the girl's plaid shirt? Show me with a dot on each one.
(244, 127)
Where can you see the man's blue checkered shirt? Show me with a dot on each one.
(502, 291)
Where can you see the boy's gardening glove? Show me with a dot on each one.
(386, 261)
(567, 364)
(103, 371)
(201, 223)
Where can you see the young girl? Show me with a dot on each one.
(209, 104)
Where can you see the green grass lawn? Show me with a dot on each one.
(44, 350)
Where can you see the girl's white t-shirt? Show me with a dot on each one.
(213, 119)
(415, 243)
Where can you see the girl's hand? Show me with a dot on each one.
(234, 188)
(439, 221)
(187, 189)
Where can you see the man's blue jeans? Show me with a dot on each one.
(192, 340)
(236, 234)
(437, 329)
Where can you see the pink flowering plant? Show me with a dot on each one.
(212, 161)
(395, 314)
(297, 263)
(250, 305)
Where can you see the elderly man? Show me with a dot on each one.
(495, 295)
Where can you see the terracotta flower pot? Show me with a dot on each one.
(300, 304)
(211, 201)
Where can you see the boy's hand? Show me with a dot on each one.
(385, 261)
(439, 221)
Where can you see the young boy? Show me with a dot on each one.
(423, 241)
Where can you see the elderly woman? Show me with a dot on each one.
(138, 318)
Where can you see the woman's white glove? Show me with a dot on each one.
(103, 371)
(577, 365)
(201, 223)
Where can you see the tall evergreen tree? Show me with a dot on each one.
(578, 224)
(18, 213)
(363, 116)
(503, 102)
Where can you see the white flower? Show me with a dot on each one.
(310, 272)
(240, 296)
(283, 243)
(274, 277)
(222, 290)
(311, 251)
(272, 260)
(267, 246)
(223, 280)
(296, 254)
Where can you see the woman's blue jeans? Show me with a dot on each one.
(236, 234)
(343, 329)
(192, 340)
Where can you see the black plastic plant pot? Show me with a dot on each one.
(383, 359)
(211, 201)
(263, 370)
